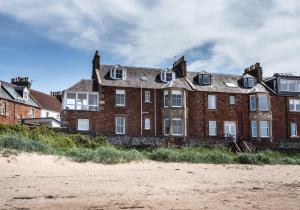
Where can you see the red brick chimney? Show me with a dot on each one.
(255, 71)
(180, 67)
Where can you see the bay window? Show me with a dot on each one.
(252, 103)
(166, 126)
(263, 103)
(253, 129)
(177, 126)
(264, 129)
(176, 98)
(81, 101)
(294, 105)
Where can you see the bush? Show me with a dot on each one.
(193, 155)
(21, 144)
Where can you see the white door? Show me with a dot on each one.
(230, 128)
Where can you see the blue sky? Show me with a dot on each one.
(53, 42)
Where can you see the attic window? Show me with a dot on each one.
(204, 79)
(230, 84)
(118, 72)
(249, 82)
(167, 76)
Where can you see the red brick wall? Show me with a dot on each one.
(200, 115)
(14, 110)
(104, 121)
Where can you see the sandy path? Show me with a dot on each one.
(48, 182)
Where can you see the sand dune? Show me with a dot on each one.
(32, 181)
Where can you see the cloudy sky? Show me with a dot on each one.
(53, 42)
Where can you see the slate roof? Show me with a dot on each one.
(218, 83)
(134, 74)
(84, 85)
(8, 92)
(46, 101)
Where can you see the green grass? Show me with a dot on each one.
(84, 148)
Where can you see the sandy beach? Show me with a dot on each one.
(32, 181)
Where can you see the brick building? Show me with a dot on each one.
(16, 102)
(136, 104)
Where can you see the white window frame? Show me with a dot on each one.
(123, 119)
(174, 127)
(288, 85)
(119, 93)
(179, 98)
(261, 99)
(81, 126)
(267, 127)
(113, 72)
(252, 102)
(166, 98)
(254, 129)
(164, 75)
(293, 103)
(147, 123)
(147, 97)
(212, 102)
(87, 107)
(212, 128)
(31, 112)
(232, 100)
(293, 129)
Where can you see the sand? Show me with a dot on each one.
(32, 181)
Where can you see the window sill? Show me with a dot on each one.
(120, 106)
(294, 137)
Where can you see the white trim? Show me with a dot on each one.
(85, 127)
(124, 125)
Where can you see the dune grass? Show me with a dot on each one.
(84, 148)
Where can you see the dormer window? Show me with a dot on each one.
(167, 75)
(249, 81)
(25, 94)
(118, 72)
(204, 78)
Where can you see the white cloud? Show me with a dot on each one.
(151, 32)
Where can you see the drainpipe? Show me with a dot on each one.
(286, 117)
(141, 107)
(155, 112)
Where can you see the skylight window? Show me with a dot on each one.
(230, 84)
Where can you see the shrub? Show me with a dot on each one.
(21, 144)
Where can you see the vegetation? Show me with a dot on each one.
(84, 148)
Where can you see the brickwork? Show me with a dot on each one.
(14, 111)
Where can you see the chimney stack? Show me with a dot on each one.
(255, 71)
(57, 94)
(21, 81)
(96, 64)
(180, 67)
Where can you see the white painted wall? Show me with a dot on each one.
(55, 115)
